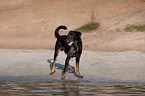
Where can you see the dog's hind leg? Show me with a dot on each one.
(53, 66)
(65, 68)
(70, 68)
(77, 67)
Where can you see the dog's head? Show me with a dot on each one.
(72, 37)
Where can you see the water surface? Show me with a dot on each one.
(13, 86)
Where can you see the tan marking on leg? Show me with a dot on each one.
(70, 68)
(53, 69)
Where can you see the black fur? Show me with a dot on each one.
(71, 44)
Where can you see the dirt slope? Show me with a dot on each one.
(29, 24)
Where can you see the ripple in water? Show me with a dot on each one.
(70, 88)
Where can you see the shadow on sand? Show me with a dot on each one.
(60, 66)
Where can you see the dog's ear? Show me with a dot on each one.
(79, 33)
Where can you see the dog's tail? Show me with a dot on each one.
(57, 30)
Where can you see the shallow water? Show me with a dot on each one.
(34, 86)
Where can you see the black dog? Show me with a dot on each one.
(71, 44)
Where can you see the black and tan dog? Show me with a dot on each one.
(71, 44)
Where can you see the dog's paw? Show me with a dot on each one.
(52, 72)
(63, 77)
(80, 76)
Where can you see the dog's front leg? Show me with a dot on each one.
(65, 68)
(53, 66)
(77, 67)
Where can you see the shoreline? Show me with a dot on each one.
(123, 66)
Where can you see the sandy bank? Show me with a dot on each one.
(128, 65)
(30, 24)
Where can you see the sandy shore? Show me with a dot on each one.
(128, 66)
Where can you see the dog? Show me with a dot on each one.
(71, 44)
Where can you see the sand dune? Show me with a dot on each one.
(29, 24)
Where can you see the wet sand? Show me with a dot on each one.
(94, 66)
